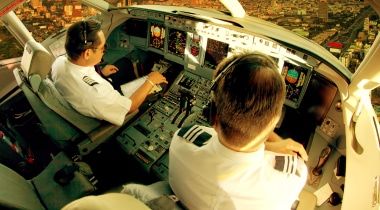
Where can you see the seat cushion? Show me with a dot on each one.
(16, 192)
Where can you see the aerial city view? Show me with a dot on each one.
(136, 89)
(345, 27)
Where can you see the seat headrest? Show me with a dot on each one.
(36, 63)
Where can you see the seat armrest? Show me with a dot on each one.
(19, 76)
(101, 134)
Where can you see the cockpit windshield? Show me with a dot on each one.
(346, 29)
(329, 29)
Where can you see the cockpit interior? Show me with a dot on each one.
(326, 107)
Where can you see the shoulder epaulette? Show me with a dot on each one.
(288, 164)
(88, 80)
(194, 134)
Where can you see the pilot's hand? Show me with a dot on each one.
(156, 78)
(287, 146)
(109, 69)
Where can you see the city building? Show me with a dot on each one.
(323, 10)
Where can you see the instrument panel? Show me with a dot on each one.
(200, 45)
(197, 46)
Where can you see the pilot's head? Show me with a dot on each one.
(248, 94)
(85, 40)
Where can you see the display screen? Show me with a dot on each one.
(136, 27)
(295, 79)
(216, 51)
(195, 44)
(317, 100)
(157, 35)
(177, 42)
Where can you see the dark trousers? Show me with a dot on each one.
(125, 73)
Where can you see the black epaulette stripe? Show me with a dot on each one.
(184, 130)
(190, 134)
(294, 165)
(88, 80)
(290, 165)
(201, 139)
(287, 164)
(194, 134)
(280, 163)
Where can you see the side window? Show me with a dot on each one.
(375, 99)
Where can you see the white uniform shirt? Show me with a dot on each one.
(88, 92)
(211, 176)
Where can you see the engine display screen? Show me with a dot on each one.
(177, 42)
(295, 80)
(157, 35)
(195, 43)
(216, 51)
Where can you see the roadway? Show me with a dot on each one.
(352, 29)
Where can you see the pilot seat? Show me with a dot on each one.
(61, 182)
(71, 131)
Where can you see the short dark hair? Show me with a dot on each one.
(248, 97)
(80, 36)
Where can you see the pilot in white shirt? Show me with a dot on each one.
(204, 174)
(84, 89)
(88, 92)
(228, 166)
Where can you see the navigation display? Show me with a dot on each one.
(157, 35)
(177, 42)
(216, 51)
(295, 79)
